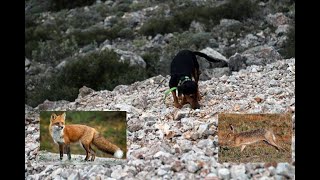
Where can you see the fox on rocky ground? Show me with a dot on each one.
(64, 135)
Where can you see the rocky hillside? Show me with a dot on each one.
(169, 143)
(63, 39)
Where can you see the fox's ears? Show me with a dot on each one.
(53, 116)
(63, 115)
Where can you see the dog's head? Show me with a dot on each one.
(189, 90)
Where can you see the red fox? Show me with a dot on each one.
(63, 135)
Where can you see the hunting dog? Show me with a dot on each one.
(184, 67)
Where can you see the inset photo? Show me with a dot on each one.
(83, 136)
(255, 138)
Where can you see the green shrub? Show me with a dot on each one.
(183, 16)
(238, 9)
(188, 40)
(36, 6)
(156, 26)
(89, 36)
(281, 6)
(289, 51)
(138, 6)
(50, 88)
(39, 33)
(99, 34)
(102, 9)
(48, 38)
(119, 14)
(29, 47)
(42, 33)
(98, 70)
(200, 40)
(152, 63)
(233, 9)
(84, 19)
(123, 7)
(57, 5)
(230, 51)
(126, 33)
(54, 51)
(30, 19)
(139, 42)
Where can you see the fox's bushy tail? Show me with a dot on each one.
(104, 145)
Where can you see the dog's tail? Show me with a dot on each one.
(207, 57)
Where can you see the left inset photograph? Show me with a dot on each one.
(83, 136)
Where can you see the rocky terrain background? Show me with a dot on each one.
(138, 38)
(64, 39)
(169, 143)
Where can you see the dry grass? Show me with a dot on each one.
(281, 125)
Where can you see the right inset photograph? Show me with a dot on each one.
(245, 138)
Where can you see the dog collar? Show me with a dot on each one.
(167, 92)
(183, 80)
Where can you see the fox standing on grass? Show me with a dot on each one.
(63, 135)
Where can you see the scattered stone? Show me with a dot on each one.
(181, 114)
(214, 54)
(161, 172)
(84, 91)
(237, 62)
(135, 124)
(192, 167)
(27, 62)
(261, 55)
(229, 23)
(215, 72)
(238, 172)
(177, 166)
(284, 169)
(224, 173)
(211, 176)
(128, 56)
(196, 27)
(282, 29)
(277, 19)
